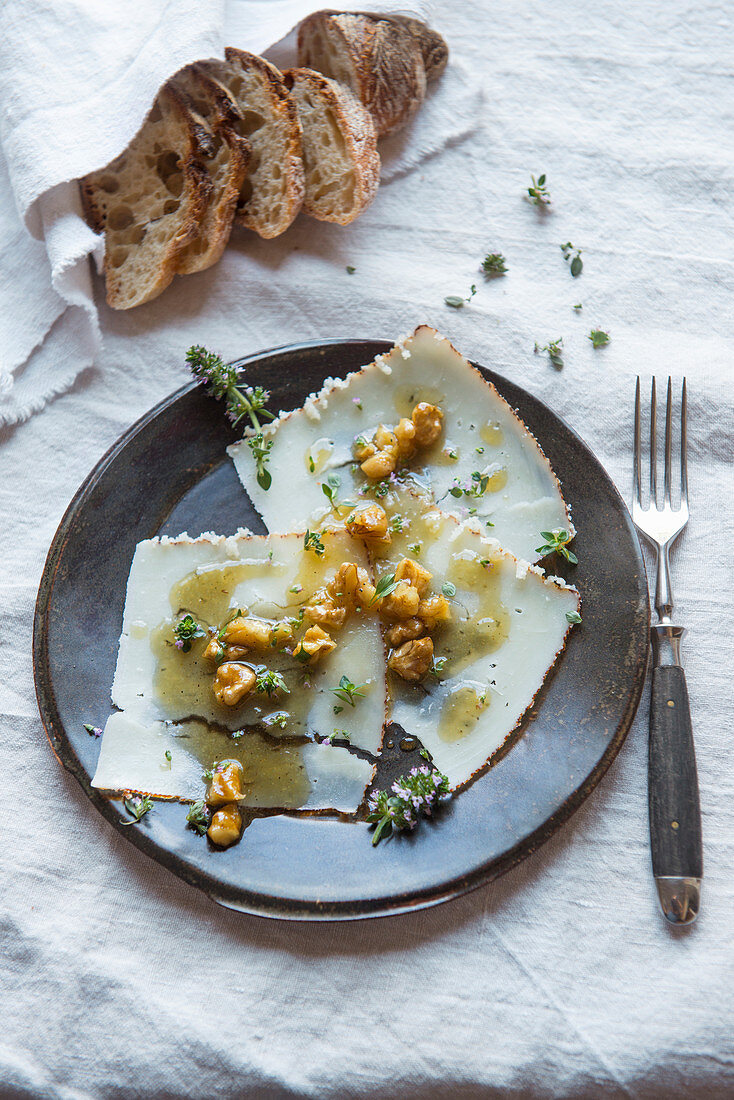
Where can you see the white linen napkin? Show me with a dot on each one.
(77, 78)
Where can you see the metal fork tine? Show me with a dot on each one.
(668, 442)
(684, 445)
(636, 469)
(653, 448)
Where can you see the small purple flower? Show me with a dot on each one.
(93, 731)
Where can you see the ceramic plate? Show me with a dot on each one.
(169, 473)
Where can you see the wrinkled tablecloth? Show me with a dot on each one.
(561, 979)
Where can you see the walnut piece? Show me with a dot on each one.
(225, 784)
(410, 571)
(428, 423)
(434, 611)
(402, 603)
(412, 660)
(404, 631)
(369, 522)
(225, 826)
(232, 683)
(314, 645)
(257, 633)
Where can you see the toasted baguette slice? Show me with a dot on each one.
(379, 59)
(273, 190)
(227, 165)
(150, 201)
(433, 47)
(339, 147)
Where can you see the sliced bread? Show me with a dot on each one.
(227, 165)
(379, 59)
(339, 147)
(150, 201)
(273, 190)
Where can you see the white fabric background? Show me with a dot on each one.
(561, 979)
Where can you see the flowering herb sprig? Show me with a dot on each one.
(477, 487)
(410, 796)
(138, 807)
(493, 265)
(269, 682)
(186, 630)
(348, 691)
(199, 817)
(598, 338)
(220, 380)
(93, 731)
(555, 351)
(456, 302)
(572, 256)
(537, 192)
(557, 541)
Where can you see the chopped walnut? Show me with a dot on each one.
(226, 826)
(314, 645)
(434, 611)
(325, 612)
(225, 784)
(257, 633)
(369, 522)
(386, 440)
(410, 571)
(232, 683)
(235, 652)
(214, 650)
(402, 603)
(413, 659)
(362, 449)
(428, 423)
(379, 465)
(404, 631)
(405, 435)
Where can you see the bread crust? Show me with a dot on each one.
(360, 139)
(229, 157)
(176, 228)
(284, 116)
(380, 59)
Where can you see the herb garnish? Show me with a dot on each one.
(437, 666)
(384, 587)
(538, 193)
(138, 807)
(578, 307)
(261, 453)
(350, 269)
(456, 302)
(557, 540)
(573, 617)
(398, 523)
(598, 338)
(476, 488)
(349, 692)
(409, 797)
(268, 682)
(168, 755)
(93, 731)
(555, 351)
(199, 817)
(186, 630)
(280, 719)
(448, 589)
(220, 380)
(312, 541)
(415, 548)
(493, 265)
(573, 255)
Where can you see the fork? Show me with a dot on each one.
(675, 815)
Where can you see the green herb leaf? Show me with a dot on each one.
(137, 807)
(448, 589)
(555, 351)
(537, 193)
(350, 269)
(312, 541)
(494, 264)
(456, 302)
(348, 691)
(199, 816)
(93, 731)
(556, 541)
(186, 630)
(578, 307)
(269, 682)
(261, 453)
(437, 666)
(384, 587)
(598, 338)
(573, 617)
(168, 755)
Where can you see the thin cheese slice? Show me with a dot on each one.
(268, 577)
(483, 438)
(278, 775)
(508, 624)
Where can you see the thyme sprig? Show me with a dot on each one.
(572, 256)
(269, 682)
(555, 351)
(537, 193)
(384, 587)
(599, 339)
(493, 265)
(93, 731)
(186, 630)
(477, 487)
(137, 807)
(410, 796)
(456, 302)
(557, 541)
(348, 691)
(199, 817)
(312, 541)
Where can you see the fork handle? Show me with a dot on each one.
(675, 814)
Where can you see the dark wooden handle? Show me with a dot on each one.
(675, 813)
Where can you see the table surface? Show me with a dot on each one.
(560, 979)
